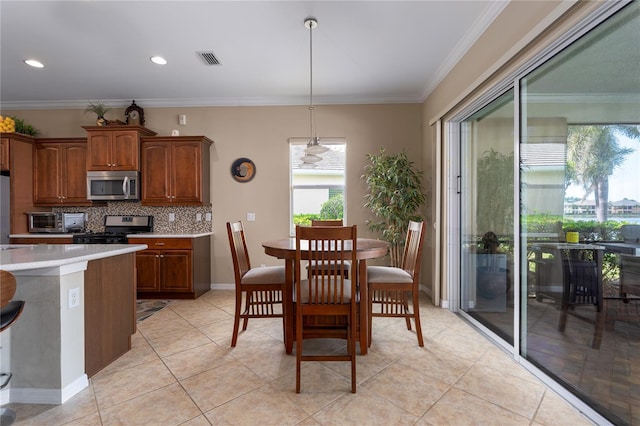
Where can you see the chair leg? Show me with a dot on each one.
(600, 323)
(248, 299)
(416, 317)
(563, 318)
(406, 310)
(370, 319)
(352, 347)
(298, 352)
(236, 320)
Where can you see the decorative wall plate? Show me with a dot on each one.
(243, 170)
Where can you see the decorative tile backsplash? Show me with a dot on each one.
(185, 216)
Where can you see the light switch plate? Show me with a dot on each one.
(251, 217)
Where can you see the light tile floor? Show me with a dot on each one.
(181, 371)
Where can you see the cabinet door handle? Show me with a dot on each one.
(159, 244)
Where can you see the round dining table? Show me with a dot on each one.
(285, 248)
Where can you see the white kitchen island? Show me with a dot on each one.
(79, 316)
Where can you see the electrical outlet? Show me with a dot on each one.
(251, 217)
(74, 297)
(172, 217)
(198, 217)
(208, 217)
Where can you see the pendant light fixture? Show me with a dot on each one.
(314, 148)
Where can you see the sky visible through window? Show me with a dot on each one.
(625, 181)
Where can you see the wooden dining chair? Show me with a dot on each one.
(327, 222)
(326, 293)
(582, 286)
(390, 288)
(312, 266)
(262, 287)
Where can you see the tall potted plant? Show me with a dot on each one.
(395, 195)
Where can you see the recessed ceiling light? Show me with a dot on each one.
(34, 63)
(158, 60)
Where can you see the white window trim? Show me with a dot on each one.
(324, 141)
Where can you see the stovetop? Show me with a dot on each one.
(116, 230)
(100, 238)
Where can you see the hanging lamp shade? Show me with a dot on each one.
(311, 158)
(314, 147)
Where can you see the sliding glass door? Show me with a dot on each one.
(580, 181)
(549, 210)
(487, 170)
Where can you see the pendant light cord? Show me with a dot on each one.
(311, 108)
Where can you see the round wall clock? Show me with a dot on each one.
(243, 170)
(134, 114)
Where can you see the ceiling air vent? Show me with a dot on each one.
(209, 58)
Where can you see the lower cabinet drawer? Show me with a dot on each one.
(164, 243)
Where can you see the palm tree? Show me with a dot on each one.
(593, 153)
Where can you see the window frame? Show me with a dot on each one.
(335, 141)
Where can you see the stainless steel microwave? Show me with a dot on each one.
(113, 185)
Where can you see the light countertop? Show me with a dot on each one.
(20, 257)
(45, 235)
(130, 236)
(161, 235)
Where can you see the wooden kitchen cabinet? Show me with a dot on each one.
(59, 172)
(4, 154)
(19, 149)
(114, 147)
(175, 170)
(174, 268)
(110, 310)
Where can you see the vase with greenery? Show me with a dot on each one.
(395, 196)
(99, 109)
(24, 128)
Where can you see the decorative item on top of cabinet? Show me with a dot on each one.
(59, 172)
(134, 115)
(114, 147)
(173, 268)
(99, 108)
(175, 170)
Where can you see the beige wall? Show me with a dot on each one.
(261, 134)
